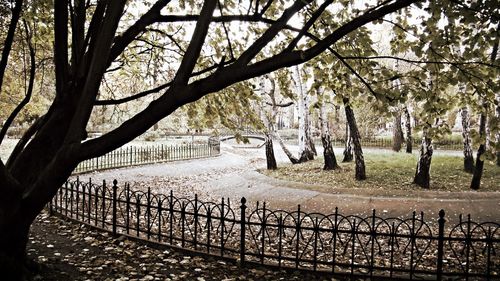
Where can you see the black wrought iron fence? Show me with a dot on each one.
(130, 156)
(413, 248)
(387, 143)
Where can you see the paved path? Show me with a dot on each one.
(233, 175)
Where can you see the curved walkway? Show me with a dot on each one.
(233, 175)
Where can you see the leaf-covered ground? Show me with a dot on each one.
(63, 250)
(388, 171)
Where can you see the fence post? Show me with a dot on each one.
(115, 187)
(440, 254)
(243, 208)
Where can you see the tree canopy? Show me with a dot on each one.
(168, 54)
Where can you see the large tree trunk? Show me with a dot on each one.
(328, 153)
(478, 171)
(13, 241)
(358, 151)
(422, 175)
(397, 138)
(348, 156)
(271, 160)
(409, 137)
(468, 156)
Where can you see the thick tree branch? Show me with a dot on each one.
(420, 61)
(229, 44)
(220, 79)
(356, 74)
(9, 187)
(96, 70)
(29, 91)
(133, 97)
(280, 104)
(61, 44)
(271, 32)
(25, 139)
(9, 39)
(159, 88)
(308, 25)
(123, 40)
(193, 51)
(223, 18)
(78, 17)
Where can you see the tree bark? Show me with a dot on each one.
(409, 137)
(422, 174)
(328, 153)
(358, 151)
(497, 114)
(270, 159)
(397, 139)
(348, 156)
(306, 152)
(285, 149)
(269, 120)
(478, 170)
(468, 156)
(13, 241)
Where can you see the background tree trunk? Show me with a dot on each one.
(348, 156)
(468, 156)
(358, 151)
(409, 137)
(285, 149)
(478, 170)
(328, 153)
(422, 174)
(397, 137)
(271, 160)
(497, 114)
(306, 152)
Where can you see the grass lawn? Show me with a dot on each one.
(388, 170)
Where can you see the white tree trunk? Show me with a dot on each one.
(305, 149)
(468, 154)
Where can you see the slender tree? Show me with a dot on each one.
(397, 137)
(356, 141)
(409, 137)
(422, 174)
(478, 169)
(468, 157)
(348, 156)
(497, 138)
(328, 153)
(306, 151)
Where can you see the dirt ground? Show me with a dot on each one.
(64, 251)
